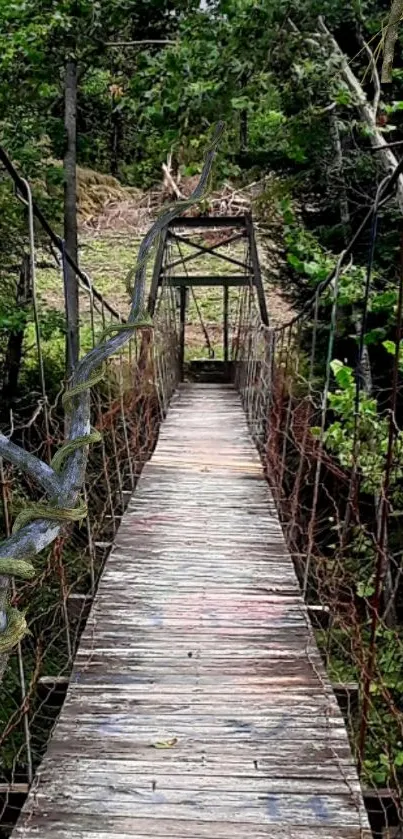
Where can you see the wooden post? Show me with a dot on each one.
(183, 299)
(70, 211)
(257, 277)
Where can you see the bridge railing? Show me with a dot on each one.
(331, 441)
(127, 407)
(71, 454)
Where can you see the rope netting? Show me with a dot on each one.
(324, 402)
(127, 406)
(109, 411)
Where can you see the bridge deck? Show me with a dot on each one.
(198, 706)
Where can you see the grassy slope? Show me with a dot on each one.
(108, 259)
(108, 253)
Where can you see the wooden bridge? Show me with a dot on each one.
(198, 707)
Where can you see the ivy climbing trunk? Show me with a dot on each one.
(70, 212)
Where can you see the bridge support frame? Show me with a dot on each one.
(246, 273)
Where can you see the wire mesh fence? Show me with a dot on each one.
(330, 436)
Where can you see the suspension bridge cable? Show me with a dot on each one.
(360, 376)
(22, 193)
(210, 349)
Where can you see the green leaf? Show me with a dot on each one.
(343, 96)
(390, 347)
(342, 373)
(374, 335)
(384, 301)
(165, 744)
(311, 268)
(295, 262)
(365, 589)
(397, 105)
(241, 103)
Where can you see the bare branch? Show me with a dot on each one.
(375, 76)
(170, 182)
(293, 26)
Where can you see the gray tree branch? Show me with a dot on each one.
(43, 474)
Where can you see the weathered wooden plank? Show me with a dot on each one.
(120, 749)
(268, 809)
(323, 769)
(198, 641)
(193, 709)
(101, 827)
(133, 782)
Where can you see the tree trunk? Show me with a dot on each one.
(243, 131)
(12, 362)
(70, 212)
(367, 114)
(243, 120)
(390, 38)
(339, 169)
(116, 133)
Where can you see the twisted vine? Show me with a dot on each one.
(38, 525)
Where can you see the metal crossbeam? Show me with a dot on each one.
(248, 276)
(208, 221)
(202, 249)
(181, 280)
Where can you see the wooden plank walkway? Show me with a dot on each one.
(198, 707)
